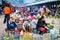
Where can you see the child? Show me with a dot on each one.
(20, 27)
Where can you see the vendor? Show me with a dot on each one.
(27, 25)
(41, 25)
(11, 25)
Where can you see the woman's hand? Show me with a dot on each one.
(46, 27)
(15, 28)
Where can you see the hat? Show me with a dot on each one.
(29, 17)
(44, 6)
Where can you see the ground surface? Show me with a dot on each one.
(3, 26)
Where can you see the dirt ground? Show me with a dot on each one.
(3, 26)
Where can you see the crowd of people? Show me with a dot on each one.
(29, 20)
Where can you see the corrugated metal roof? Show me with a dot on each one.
(22, 3)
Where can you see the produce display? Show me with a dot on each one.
(30, 25)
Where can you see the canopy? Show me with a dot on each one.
(22, 3)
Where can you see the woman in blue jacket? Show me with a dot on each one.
(11, 25)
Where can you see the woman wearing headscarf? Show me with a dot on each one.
(41, 25)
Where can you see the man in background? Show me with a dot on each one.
(1, 11)
(7, 12)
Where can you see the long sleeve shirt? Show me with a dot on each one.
(34, 23)
(11, 25)
(25, 24)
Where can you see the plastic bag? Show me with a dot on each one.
(46, 36)
(21, 33)
(15, 37)
(6, 38)
(54, 33)
(26, 36)
(37, 37)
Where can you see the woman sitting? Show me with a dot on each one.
(41, 25)
(11, 25)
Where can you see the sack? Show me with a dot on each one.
(15, 37)
(46, 36)
(21, 38)
(54, 33)
(21, 33)
(26, 36)
(8, 33)
(37, 37)
(6, 38)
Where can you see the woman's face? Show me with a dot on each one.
(43, 19)
(10, 20)
(22, 21)
(20, 25)
(30, 20)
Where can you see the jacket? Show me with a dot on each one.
(6, 10)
